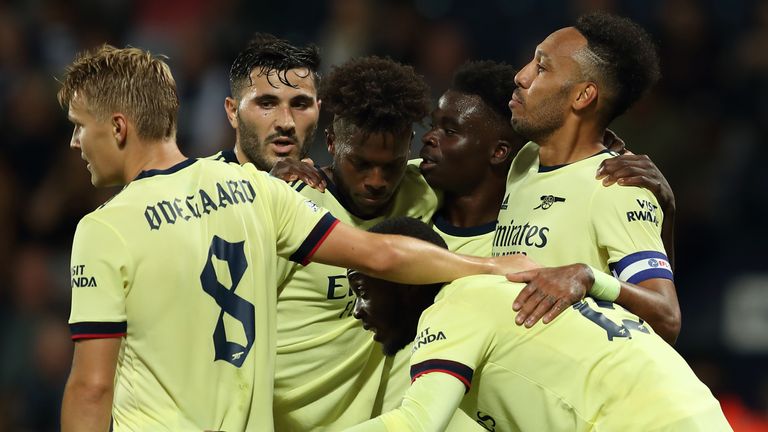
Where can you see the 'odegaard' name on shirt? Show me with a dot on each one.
(202, 203)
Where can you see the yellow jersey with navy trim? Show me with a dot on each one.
(227, 156)
(329, 370)
(181, 265)
(595, 367)
(475, 241)
(563, 215)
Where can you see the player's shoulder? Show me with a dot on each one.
(616, 194)
(412, 179)
(481, 291)
(414, 196)
(227, 156)
(525, 160)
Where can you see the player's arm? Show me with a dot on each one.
(634, 246)
(549, 291)
(629, 169)
(305, 233)
(87, 402)
(98, 323)
(406, 259)
(428, 405)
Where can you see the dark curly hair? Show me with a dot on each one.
(623, 58)
(376, 95)
(270, 53)
(494, 82)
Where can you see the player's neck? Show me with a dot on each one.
(574, 141)
(151, 155)
(240, 155)
(477, 206)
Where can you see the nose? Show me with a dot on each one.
(375, 182)
(284, 121)
(357, 310)
(429, 138)
(523, 76)
(74, 143)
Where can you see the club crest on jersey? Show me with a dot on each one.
(547, 201)
(312, 206)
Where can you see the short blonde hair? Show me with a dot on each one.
(128, 80)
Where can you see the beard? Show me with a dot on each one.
(256, 148)
(543, 122)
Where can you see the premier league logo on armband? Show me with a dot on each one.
(312, 206)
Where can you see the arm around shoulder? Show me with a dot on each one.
(406, 259)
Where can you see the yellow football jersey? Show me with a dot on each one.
(181, 264)
(475, 241)
(329, 370)
(563, 215)
(596, 367)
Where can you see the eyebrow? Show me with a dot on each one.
(302, 98)
(541, 54)
(265, 98)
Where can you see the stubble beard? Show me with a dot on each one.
(255, 148)
(542, 123)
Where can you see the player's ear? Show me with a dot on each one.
(501, 152)
(230, 106)
(119, 129)
(587, 94)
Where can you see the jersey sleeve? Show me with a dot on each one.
(99, 278)
(627, 224)
(428, 405)
(300, 225)
(453, 339)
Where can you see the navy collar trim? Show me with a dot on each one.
(543, 168)
(153, 172)
(443, 225)
(228, 156)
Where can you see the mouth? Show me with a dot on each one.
(427, 162)
(373, 201)
(283, 146)
(515, 101)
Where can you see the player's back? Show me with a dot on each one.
(194, 251)
(596, 367)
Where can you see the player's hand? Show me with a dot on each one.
(614, 143)
(637, 170)
(290, 169)
(549, 291)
